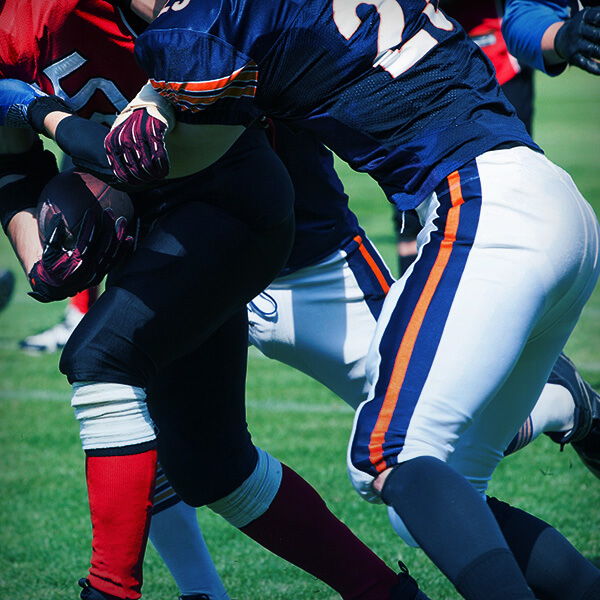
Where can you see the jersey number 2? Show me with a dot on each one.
(391, 28)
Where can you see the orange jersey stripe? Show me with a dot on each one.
(371, 262)
(230, 93)
(414, 326)
(243, 74)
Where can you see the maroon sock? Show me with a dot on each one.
(120, 492)
(299, 528)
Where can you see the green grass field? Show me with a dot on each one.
(44, 524)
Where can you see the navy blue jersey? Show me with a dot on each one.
(324, 222)
(393, 87)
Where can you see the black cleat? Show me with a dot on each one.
(90, 593)
(587, 401)
(585, 434)
(588, 449)
(195, 597)
(406, 588)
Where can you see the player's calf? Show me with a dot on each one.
(118, 437)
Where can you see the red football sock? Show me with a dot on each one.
(299, 528)
(120, 491)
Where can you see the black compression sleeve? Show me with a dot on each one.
(83, 141)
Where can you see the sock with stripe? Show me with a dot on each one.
(553, 412)
(299, 528)
(554, 569)
(456, 529)
(120, 492)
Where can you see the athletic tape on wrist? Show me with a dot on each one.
(156, 106)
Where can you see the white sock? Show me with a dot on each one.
(176, 535)
(553, 411)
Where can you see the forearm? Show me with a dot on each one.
(549, 54)
(529, 27)
(23, 233)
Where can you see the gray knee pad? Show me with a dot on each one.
(254, 496)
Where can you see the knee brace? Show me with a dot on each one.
(111, 415)
(254, 496)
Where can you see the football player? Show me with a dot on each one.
(173, 315)
(551, 34)
(397, 90)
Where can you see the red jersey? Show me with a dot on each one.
(482, 20)
(80, 50)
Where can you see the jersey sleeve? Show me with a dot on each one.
(206, 79)
(523, 26)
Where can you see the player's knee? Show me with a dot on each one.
(254, 496)
(111, 415)
(362, 482)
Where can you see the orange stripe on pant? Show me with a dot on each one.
(414, 326)
(371, 262)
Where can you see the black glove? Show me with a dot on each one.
(67, 266)
(578, 40)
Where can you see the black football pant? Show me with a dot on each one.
(173, 317)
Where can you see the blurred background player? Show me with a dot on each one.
(548, 35)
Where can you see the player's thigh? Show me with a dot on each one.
(484, 284)
(198, 406)
(321, 319)
(193, 271)
(481, 447)
(529, 273)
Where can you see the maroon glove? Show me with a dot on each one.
(136, 149)
(67, 268)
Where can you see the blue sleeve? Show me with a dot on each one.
(523, 26)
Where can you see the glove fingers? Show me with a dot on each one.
(89, 232)
(101, 242)
(60, 234)
(585, 63)
(136, 150)
(124, 241)
(59, 242)
(591, 33)
(592, 15)
(110, 240)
